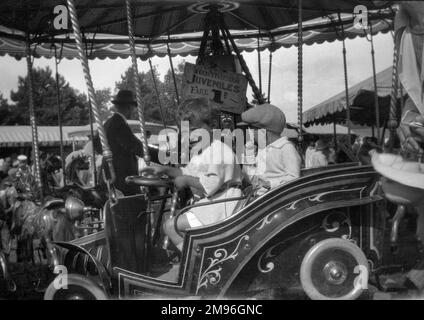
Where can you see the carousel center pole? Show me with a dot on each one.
(140, 108)
(376, 104)
(107, 154)
(33, 122)
(349, 125)
(300, 75)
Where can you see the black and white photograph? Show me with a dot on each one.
(214, 155)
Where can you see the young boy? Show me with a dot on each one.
(279, 162)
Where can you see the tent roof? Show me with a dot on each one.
(105, 29)
(326, 129)
(361, 97)
(21, 136)
(153, 127)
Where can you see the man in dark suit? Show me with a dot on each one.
(125, 146)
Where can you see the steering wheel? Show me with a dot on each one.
(150, 181)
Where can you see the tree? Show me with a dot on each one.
(171, 101)
(104, 97)
(150, 100)
(6, 115)
(74, 105)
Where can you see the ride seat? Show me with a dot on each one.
(248, 194)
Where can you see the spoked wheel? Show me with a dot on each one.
(334, 269)
(78, 288)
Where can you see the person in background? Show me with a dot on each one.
(279, 162)
(308, 154)
(24, 180)
(125, 146)
(319, 157)
(356, 145)
(368, 144)
(7, 163)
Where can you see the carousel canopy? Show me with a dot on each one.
(361, 98)
(179, 24)
(21, 136)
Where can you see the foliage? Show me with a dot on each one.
(75, 105)
(150, 101)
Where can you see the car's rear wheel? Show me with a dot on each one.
(334, 269)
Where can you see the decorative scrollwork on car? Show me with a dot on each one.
(267, 220)
(334, 221)
(265, 266)
(212, 274)
(319, 197)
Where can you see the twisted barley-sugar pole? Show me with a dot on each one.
(107, 154)
(140, 108)
(32, 120)
(300, 74)
(393, 121)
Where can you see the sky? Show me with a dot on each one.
(323, 74)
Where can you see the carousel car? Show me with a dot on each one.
(318, 233)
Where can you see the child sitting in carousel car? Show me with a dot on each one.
(212, 174)
(279, 162)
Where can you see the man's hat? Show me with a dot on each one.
(124, 97)
(22, 157)
(265, 116)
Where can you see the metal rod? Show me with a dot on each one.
(245, 68)
(140, 107)
(107, 154)
(349, 125)
(93, 152)
(173, 74)
(259, 65)
(33, 121)
(157, 94)
(376, 104)
(269, 76)
(59, 116)
(300, 74)
(334, 133)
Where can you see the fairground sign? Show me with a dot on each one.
(226, 90)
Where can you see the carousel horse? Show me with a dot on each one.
(29, 221)
(80, 178)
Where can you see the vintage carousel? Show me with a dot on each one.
(320, 236)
